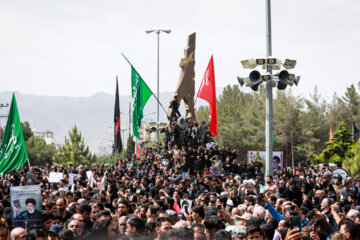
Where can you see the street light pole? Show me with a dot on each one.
(255, 79)
(158, 92)
(269, 98)
(158, 79)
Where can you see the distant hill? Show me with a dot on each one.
(92, 115)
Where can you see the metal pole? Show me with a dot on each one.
(130, 123)
(158, 105)
(269, 98)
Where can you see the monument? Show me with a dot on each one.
(185, 89)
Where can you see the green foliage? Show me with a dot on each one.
(27, 132)
(74, 150)
(39, 152)
(130, 147)
(300, 155)
(109, 159)
(287, 109)
(202, 114)
(352, 101)
(241, 120)
(314, 130)
(340, 148)
(314, 159)
(352, 165)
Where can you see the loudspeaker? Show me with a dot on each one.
(283, 78)
(254, 77)
(241, 81)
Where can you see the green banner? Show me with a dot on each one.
(140, 95)
(13, 152)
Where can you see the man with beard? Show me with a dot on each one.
(30, 218)
(76, 227)
(83, 233)
(167, 187)
(85, 211)
(123, 208)
(64, 215)
(270, 186)
(122, 224)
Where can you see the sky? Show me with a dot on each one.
(73, 47)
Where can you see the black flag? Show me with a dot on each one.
(117, 134)
(355, 132)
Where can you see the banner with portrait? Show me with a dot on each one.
(277, 160)
(26, 208)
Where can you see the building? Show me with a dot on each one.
(148, 130)
(47, 135)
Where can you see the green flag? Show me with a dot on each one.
(140, 93)
(13, 152)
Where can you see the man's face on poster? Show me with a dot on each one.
(275, 162)
(30, 207)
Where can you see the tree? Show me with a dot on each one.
(27, 132)
(287, 129)
(352, 101)
(340, 148)
(337, 112)
(39, 152)
(109, 159)
(241, 120)
(74, 150)
(130, 147)
(314, 126)
(352, 165)
(202, 114)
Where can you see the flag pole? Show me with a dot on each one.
(146, 85)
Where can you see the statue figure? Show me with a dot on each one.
(185, 89)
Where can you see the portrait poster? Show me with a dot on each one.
(277, 161)
(185, 204)
(26, 211)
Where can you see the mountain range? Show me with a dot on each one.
(92, 115)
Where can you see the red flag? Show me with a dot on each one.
(331, 136)
(207, 91)
(137, 150)
(176, 207)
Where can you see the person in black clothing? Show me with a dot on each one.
(30, 218)
(199, 165)
(62, 213)
(223, 154)
(174, 105)
(228, 166)
(154, 191)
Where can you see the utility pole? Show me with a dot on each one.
(269, 98)
(129, 115)
(158, 82)
(280, 80)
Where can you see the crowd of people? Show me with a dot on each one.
(189, 189)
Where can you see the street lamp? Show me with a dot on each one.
(281, 80)
(157, 92)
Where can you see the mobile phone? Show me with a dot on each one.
(295, 222)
